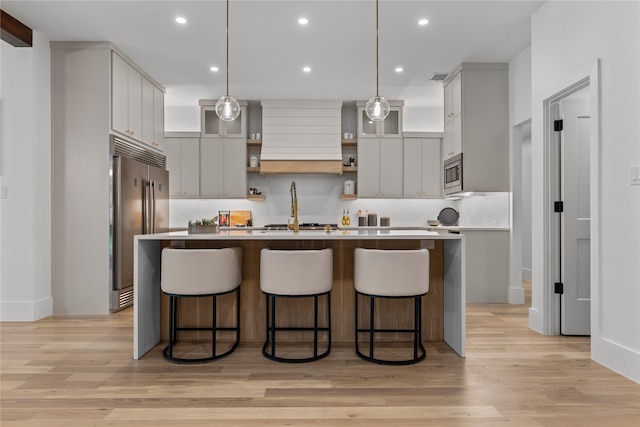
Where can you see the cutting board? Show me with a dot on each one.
(239, 217)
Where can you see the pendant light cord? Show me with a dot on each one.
(228, 47)
(377, 32)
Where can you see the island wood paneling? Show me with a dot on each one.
(298, 312)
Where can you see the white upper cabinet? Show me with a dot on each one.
(477, 124)
(422, 167)
(127, 98)
(380, 167)
(137, 105)
(152, 115)
(223, 168)
(389, 127)
(183, 164)
(212, 125)
(452, 98)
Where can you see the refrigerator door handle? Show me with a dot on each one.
(153, 207)
(145, 207)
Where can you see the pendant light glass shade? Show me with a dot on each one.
(378, 108)
(227, 108)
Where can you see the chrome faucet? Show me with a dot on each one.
(294, 208)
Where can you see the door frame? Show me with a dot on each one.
(586, 77)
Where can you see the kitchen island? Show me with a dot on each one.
(445, 303)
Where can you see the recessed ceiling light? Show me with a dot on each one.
(306, 69)
(181, 20)
(399, 69)
(303, 21)
(423, 21)
(214, 69)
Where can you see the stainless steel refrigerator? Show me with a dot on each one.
(139, 204)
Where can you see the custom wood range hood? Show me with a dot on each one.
(301, 136)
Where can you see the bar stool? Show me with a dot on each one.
(201, 273)
(296, 274)
(391, 274)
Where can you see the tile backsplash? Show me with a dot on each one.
(319, 201)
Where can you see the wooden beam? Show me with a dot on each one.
(15, 32)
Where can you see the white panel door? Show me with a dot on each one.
(576, 242)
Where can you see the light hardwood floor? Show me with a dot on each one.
(78, 371)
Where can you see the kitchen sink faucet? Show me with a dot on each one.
(294, 208)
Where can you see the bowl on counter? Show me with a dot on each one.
(433, 222)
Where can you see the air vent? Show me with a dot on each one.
(438, 77)
(123, 148)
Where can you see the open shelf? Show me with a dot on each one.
(349, 196)
(349, 169)
(253, 170)
(256, 197)
(349, 142)
(255, 142)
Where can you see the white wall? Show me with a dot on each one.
(519, 124)
(25, 227)
(567, 37)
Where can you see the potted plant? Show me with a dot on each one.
(204, 225)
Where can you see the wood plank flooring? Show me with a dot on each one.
(78, 371)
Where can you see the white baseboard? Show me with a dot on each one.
(25, 311)
(616, 357)
(535, 321)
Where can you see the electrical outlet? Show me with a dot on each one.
(427, 244)
(3, 192)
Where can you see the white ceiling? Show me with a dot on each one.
(268, 48)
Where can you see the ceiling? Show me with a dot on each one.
(268, 48)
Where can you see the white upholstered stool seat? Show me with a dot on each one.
(391, 274)
(201, 273)
(296, 274)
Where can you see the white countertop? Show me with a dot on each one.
(258, 233)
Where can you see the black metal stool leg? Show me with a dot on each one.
(214, 324)
(371, 322)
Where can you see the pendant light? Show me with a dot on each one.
(377, 108)
(227, 108)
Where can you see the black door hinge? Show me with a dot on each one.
(558, 288)
(558, 207)
(557, 125)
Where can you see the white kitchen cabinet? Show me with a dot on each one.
(84, 86)
(126, 114)
(452, 139)
(223, 168)
(380, 167)
(212, 125)
(422, 167)
(137, 105)
(453, 97)
(391, 126)
(487, 267)
(477, 125)
(152, 115)
(158, 119)
(183, 164)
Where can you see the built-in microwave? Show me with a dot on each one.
(453, 174)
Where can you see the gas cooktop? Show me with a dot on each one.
(303, 226)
